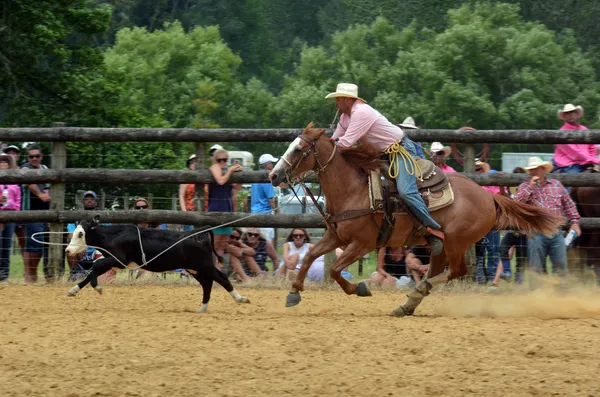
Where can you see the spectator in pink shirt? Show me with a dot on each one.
(10, 200)
(438, 153)
(573, 158)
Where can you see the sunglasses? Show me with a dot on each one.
(440, 153)
(298, 235)
(222, 160)
(253, 234)
(231, 236)
(34, 156)
(140, 207)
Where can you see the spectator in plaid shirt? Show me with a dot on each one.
(551, 194)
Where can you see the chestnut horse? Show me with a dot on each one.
(473, 214)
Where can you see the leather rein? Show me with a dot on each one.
(331, 220)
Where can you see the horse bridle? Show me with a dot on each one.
(311, 149)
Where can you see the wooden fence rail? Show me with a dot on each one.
(80, 134)
(191, 218)
(117, 176)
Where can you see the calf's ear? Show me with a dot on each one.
(96, 220)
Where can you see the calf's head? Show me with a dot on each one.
(78, 242)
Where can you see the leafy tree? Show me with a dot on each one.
(49, 68)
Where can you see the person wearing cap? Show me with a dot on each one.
(548, 193)
(212, 150)
(10, 200)
(14, 152)
(360, 121)
(409, 123)
(438, 153)
(81, 263)
(262, 195)
(572, 158)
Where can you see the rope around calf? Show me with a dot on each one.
(140, 238)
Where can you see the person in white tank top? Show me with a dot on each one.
(296, 246)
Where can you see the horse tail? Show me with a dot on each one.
(514, 215)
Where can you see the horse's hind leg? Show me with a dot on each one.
(435, 276)
(351, 254)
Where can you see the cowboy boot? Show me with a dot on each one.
(436, 240)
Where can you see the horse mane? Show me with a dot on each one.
(365, 156)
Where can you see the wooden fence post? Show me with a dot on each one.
(469, 166)
(102, 204)
(56, 263)
(329, 259)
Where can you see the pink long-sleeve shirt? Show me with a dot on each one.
(571, 153)
(366, 124)
(446, 168)
(14, 197)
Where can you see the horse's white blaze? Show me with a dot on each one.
(284, 160)
(77, 243)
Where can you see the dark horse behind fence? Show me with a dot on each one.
(473, 214)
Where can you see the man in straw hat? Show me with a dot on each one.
(361, 121)
(573, 158)
(409, 123)
(547, 193)
(438, 153)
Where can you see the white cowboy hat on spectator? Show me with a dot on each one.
(216, 146)
(267, 158)
(569, 107)
(345, 90)
(535, 162)
(437, 147)
(189, 160)
(409, 122)
(12, 147)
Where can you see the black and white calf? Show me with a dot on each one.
(129, 245)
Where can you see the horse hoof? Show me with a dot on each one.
(400, 312)
(292, 299)
(98, 290)
(363, 290)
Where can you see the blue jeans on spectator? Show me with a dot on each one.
(570, 169)
(540, 246)
(490, 244)
(6, 237)
(187, 228)
(519, 241)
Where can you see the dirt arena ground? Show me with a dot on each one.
(146, 340)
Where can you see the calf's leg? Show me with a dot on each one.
(101, 266)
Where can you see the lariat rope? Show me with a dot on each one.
(395, 151)
(33, 237)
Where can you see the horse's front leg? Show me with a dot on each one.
(351, 254)
(328, 243)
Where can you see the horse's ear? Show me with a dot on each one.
(309, 126)
(313, 132)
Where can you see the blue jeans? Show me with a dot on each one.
(540, 246)
(519, 241)
(490, 244)
(187, 228)
(6, 237)
(569, 169)
(407, 188)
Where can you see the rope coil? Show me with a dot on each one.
(410, 164)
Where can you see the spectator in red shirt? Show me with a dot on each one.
(544, 192)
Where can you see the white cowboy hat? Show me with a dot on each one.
(409, 122)
(569, 107)
(535, 162)
(437, 147)
(345, 90)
